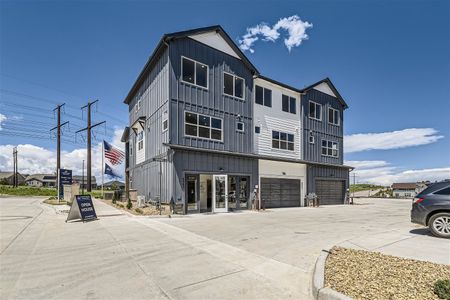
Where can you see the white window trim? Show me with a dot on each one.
(165, 117)
(337, 148)
(234, 90)
(243, 126)
(289, 104)
(311, 135)
(199, 137)
(279, 140)
(339, 117)
(309, 112)
(195, 73)
(264, 95)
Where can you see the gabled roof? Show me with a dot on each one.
(404, 186)
(42, 177)
(279, 83)
(166, 38)
(332, 87)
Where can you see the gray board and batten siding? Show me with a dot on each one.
(211, 101)
(321, 129)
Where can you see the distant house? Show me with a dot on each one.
(408, 189)
(83, 183)
(114, 185)
(41, 180)
(8, 178)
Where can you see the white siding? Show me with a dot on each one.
(325, 88)
(274, 118)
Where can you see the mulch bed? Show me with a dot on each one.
(371, 275)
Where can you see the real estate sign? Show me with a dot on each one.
(64, 177)
(82, 209)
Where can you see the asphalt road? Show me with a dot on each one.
(249, 255)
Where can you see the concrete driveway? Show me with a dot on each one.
(267, 255)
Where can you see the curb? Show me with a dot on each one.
(320, 292)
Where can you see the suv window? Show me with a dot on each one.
(445, 191)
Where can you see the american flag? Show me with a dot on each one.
(113, 154)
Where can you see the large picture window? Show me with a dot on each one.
(282, 140)
(315, 110)
(194, 72)
(330, 148)
(202, 126)
(263, 96)
(289, 104)
(233, 85)
(333, 116)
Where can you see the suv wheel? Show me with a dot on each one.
(440, 225)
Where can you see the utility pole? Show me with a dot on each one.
(88, 129)
(15, 179)
(82, 179)
(58, 142)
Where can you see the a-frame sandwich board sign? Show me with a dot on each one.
(82, 209)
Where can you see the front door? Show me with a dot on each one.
(220, 193)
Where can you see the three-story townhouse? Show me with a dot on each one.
(191, 123)
(207, 130)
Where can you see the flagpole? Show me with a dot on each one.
(103, 168)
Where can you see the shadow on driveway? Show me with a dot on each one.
(421, 231)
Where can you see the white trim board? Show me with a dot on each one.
(215, 40)
(325, 88)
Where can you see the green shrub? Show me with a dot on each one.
(129, 204)
(114, 200)
(442, 289)
(139, 211)
(27, 191)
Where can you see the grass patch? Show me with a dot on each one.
(364, 187)
(442, 289)
(139, 211)
(26, 191)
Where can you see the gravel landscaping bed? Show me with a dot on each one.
(370, 275)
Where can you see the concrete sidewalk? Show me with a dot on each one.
(267, 255)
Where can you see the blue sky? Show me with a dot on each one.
(389, 60)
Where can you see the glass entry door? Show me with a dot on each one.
(220, 193)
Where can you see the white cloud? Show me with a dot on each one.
(381, 172)
(2, 120)
(390, 140)
(34, 159)
(295, 27)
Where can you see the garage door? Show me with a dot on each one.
(276, 192)
(330, 191)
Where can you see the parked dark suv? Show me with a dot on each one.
(431, 208)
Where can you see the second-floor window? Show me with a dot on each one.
(315, 111)
(165, 121)
(140, 139)
(233, 85)
(282, 140)
(194, 72)
(333, 116)
(289, 104)
(202, 126)
(330, 148)
(263, 96)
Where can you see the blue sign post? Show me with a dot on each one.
(64, 177)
